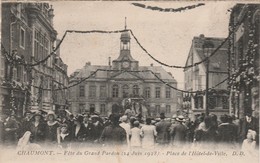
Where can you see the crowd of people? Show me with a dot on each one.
(36, 131)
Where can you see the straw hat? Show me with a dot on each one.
(180, 118)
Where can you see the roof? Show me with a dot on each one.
(125, 35)
(89, 69)
(218, 62)
(156, 69)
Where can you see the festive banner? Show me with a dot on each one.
(155, 8)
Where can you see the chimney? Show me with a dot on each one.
(109, 61)
(88, 64)
(51, 15)
(151, 64)
(202, 35)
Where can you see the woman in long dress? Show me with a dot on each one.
(135, 136)
(38, 128)
(51, 129)
(149, 133)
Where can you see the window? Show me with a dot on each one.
(22, 38)
(168, 92)
(14, 74)
(102, 91)
(25, 77)
(2, 70)
(168, 109)
(147, 92)
(82, 91)
(225, 102)
(125, 91)
(102, 109)
(19, 73)
(92, 91)
(157, 109)
(92, 108)
(82, 108)
(198, 100)
(220, 102)
(135, 90)
(148, 109)
(157, 92)
(41, 45)
(115, 91)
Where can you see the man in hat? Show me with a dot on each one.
(162, 128)
(25, 123)
(113, 134)
(178, 132)
(97, 128)
(79, 129)
(226, 131)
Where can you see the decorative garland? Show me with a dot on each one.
(246, 69)
(120, 31)
(161, 80)
(155, 8)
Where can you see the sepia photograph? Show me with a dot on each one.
(129, 81)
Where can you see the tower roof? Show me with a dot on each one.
(125, 36)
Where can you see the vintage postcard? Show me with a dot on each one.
(129, 81)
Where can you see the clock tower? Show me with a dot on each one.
(125, 61)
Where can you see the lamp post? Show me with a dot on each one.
(207, 48)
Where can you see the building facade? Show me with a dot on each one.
(195, 77)
(121, 85)
(60, 81)
(244, 60)
(28, 37)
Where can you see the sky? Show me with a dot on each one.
(165, 35)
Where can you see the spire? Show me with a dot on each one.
(125, 23)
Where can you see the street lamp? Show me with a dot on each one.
(207, 48)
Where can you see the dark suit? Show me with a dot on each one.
(178, 134)
(38, 132)
(244, 126)
(113, 135)
(163, 132)
(227, 133)
(81, 135)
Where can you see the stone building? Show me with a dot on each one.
(195, 77)
(28, 36)
(60, 80)
(122, 84)
(244, 60)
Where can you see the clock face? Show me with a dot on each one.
(126, 64)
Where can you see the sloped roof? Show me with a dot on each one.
(87, 70)
(156, 69)
(218, 62)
